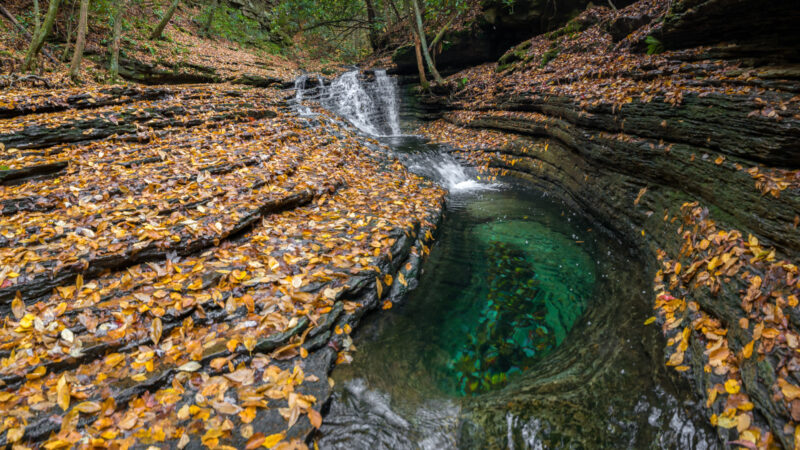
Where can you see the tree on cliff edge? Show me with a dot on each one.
(164, 20)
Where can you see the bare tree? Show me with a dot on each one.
(38, 40)
(164, 20)
(117, 34)
(80, 40)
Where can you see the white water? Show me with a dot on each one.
(387, 90)
(374, 108)
(447, 171)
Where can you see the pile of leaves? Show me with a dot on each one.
(168, 254)
(734, 350)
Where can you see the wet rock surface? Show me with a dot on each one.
(183, 266)
(685, 183)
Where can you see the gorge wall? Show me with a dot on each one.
(692, 154)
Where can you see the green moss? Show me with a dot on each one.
(549, 55)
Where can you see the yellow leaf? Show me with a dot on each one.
(379, 287)
(682, 368)
(113, 359)
(732, 386)
(36, 373)
(248, 415)
(155, 330)
(789, 390)
(388, 279)
(56, 444)
(15, 434)
(63, 393)
(675, 359)
(650, 320)
(726, 422)
(747, 351)
(387, 304)
(401, 279)
(273, 439)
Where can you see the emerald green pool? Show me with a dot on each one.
(525, 331)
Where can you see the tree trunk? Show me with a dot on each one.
(114, 69)
(374, 38)
(38, 40)
(13, 20)
(80, 40)
(210, 18)
(417, 46)
(37, 20)
(420, 67)
(164, 21)
(421, 30)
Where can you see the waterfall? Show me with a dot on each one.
(347, 96)
(372, 107)
(299, 89)
(387, 92)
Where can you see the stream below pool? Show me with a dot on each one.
(525, 329)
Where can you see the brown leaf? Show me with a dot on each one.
(155, 330)
(18, 307)
(315, 418)
(256, 441)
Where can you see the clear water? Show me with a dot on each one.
(525, 331)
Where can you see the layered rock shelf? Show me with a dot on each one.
(691, 158)
(159, 290)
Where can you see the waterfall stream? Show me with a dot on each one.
(519, 303)
(373, 107)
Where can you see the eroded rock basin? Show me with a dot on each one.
(525, 332)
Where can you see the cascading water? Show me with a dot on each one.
(517, 305)
(373, 107)
(387, 92)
